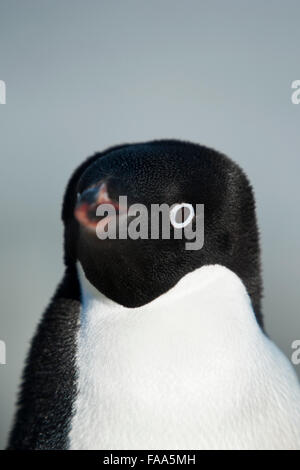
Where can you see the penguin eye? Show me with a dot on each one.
(174, 211)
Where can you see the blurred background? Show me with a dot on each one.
(84, 75)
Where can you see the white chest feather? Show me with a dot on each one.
(190, 370)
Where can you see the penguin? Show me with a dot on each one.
(148, 345)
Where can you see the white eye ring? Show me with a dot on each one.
(174, 211)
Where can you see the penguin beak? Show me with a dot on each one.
(89, 201)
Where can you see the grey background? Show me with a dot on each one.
(83, 75)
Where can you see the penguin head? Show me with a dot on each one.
(134, 271)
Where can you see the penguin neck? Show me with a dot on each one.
(194, 317)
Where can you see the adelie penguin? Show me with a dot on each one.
(148, 345)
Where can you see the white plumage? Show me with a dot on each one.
(190, 370)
